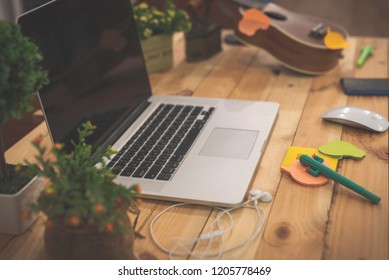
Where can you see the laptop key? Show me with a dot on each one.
(164, 177)
(160, 161)
(153, 172)
(176, 158)
(187, 142)
(116, 171)
(172, 164)
(140, 172)
(119, 165)
(168, 170)
(127, 172)
(116, 158)
(146, 163)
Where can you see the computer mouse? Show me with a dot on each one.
(357, 117)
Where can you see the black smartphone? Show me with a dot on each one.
(365, 86)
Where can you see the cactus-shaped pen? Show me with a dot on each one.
(316, 167)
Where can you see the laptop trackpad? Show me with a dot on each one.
(230, 143)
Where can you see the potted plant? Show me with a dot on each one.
(20, 76)
(155, 29)
(86, 211)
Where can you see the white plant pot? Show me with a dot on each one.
(11, 207)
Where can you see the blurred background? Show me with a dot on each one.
(359, 17)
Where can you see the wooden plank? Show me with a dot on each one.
(27, 246)
(180, 222)
(297, 222)
(358, 229)
(22, 149)
(227, 72)
(4, 240)
(185, 78)
(258, 79)
(291, 92)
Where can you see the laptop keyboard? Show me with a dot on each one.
(158, 147)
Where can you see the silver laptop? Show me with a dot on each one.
(184, 149)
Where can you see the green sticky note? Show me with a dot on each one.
(339, 149)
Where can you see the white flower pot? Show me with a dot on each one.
(158, 53)
(12, 205)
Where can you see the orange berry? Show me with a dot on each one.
(74, 221)
(38, 139)
(58, 146)
(89, 125)
(49, 191)
(18, 168)
(25, 215)
(137, 189)
(109, 227)
(99, 208)
(118, 200)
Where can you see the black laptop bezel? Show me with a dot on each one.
(104, 142)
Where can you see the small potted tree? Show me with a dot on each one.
(87, 213)
(155, 29)
(20, 76)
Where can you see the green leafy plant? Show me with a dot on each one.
(150, 21)
(20, 75)
(79, 195)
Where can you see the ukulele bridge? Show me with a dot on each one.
(318, 31)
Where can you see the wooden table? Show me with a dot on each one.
(328, 222)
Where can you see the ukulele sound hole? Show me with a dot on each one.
(275, 15)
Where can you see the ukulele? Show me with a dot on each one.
(296, 40)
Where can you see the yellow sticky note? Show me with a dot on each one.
(294, 152)
(334, 40)
(292, 166)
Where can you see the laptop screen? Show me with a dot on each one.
(96, 68)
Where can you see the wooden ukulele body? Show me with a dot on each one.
(288, 40)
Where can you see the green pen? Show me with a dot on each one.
(316, 168)
(366, 51)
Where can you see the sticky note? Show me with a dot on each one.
(339, 149)
(292, 166)
(252, 21)
(334, 40)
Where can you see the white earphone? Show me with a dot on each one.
(256, 194)
(183, 246)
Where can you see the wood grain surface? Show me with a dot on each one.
(327, 222)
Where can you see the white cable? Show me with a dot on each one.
(183, 246)
(176, 240)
